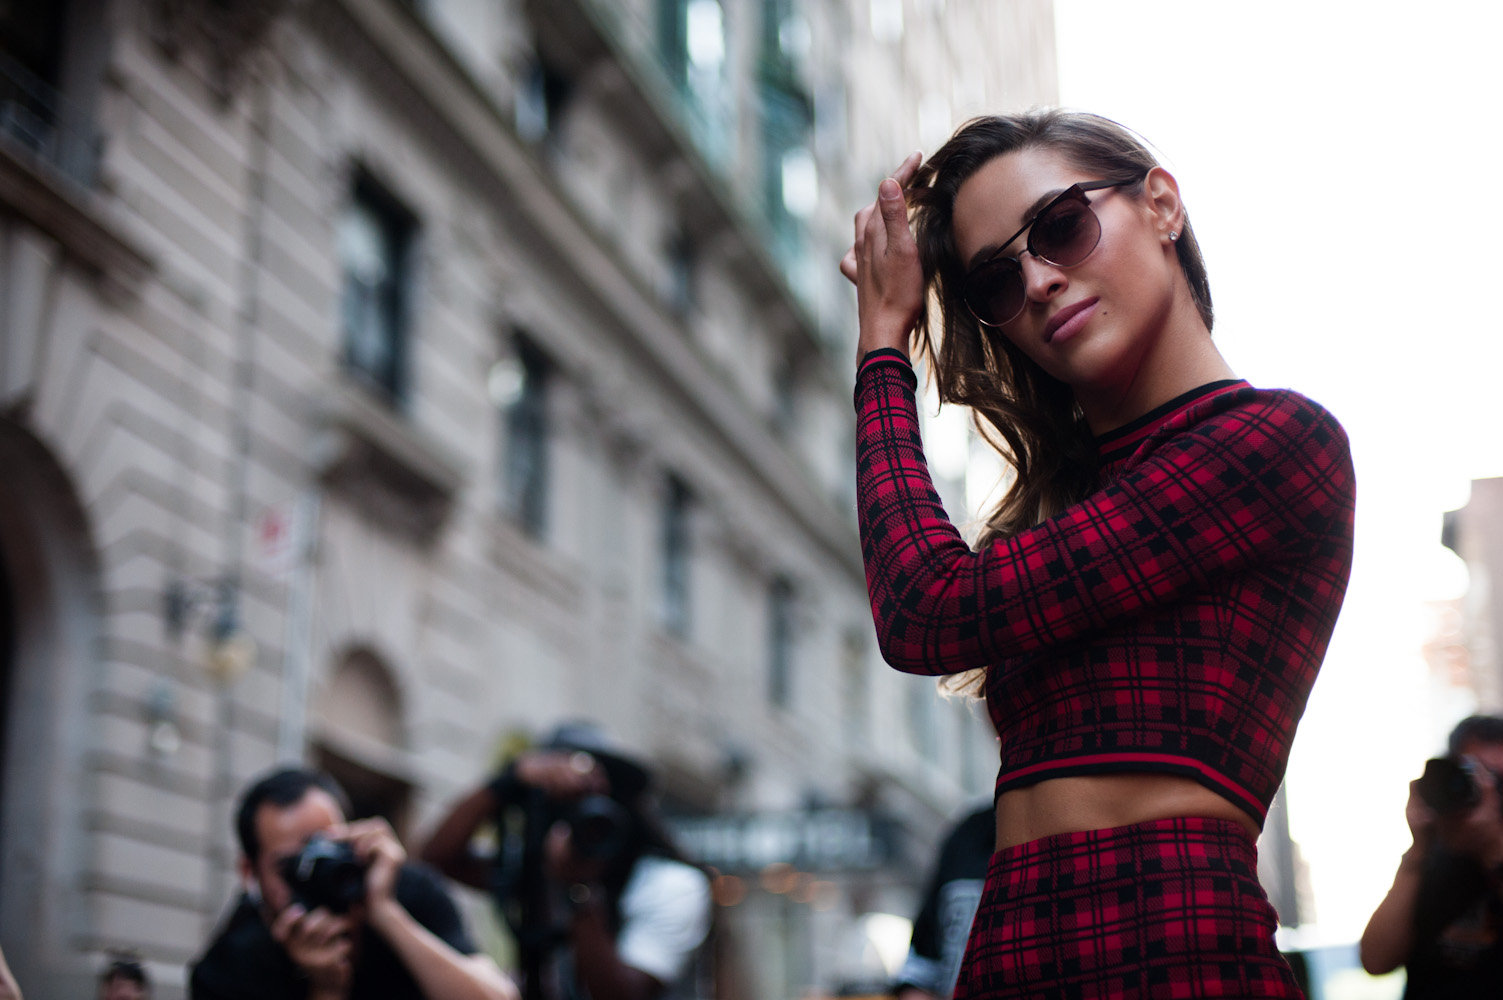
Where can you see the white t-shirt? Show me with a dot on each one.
(665, 915)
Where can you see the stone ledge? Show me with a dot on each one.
(32, 191)
(390, 469)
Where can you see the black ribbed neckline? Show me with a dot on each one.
(1106, 441)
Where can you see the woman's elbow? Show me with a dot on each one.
(899, 654)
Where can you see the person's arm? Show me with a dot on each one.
(441, 972)
(596, 961)
(448, 849)
(1268, 477)
(664, 916)
(9, 990)
(1388, 939)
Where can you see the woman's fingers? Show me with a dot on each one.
(848, 265)
(879, 221)
(908, 168)
(894, 214)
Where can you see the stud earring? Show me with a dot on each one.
(1173, 236)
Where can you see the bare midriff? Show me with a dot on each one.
(1101, 802)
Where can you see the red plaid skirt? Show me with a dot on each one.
(1170, 908)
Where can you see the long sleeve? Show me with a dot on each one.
(1254, 481)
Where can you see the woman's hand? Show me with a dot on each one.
(883, 264)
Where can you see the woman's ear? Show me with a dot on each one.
(1161, 194)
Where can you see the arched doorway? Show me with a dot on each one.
(49, 648)
(360, 738)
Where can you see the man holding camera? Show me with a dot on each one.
(1443, 917)
(330, 910)
(602, 905)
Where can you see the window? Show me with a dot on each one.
(48, 71)
(541, 98)
(675, 543)
(680, 291)
(519, 386)
(923, 727)
(376, 237)
(780, 642)
(785, 386)
(790, 179)
(692, 48)
(854, 686)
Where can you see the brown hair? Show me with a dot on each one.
(1030, 417)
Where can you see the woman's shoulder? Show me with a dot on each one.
(1254, 427)
(1253, 415)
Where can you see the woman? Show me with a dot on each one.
(1151, 599)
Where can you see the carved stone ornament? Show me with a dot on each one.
(226, 32)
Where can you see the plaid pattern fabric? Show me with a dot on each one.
(1171, 622)
(1165, 909)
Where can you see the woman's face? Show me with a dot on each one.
(1097, 324)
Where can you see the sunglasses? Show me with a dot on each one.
(1062, 233)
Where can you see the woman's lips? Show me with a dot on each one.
(1067, 322)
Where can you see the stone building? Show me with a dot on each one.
(1462, 649)
(381, 380)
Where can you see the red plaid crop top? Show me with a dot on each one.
(1172, 622)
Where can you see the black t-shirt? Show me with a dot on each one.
(944, 923)
(244, 962)
(1458, 950)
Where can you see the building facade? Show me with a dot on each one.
(382, 382)
(1462, 649)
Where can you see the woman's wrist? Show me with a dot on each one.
(893, 340)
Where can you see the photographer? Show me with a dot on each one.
(1443, 917)
(601, 904)
(124, 979)
(943, 923)
(331, 911)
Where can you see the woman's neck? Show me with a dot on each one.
(1184, 360)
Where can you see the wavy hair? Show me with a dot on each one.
(1027, 415)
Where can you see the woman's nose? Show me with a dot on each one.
(1041, 279)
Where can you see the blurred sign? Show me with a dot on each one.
(823, 840)
(281, 537)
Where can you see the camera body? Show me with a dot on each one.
(325, 873)
(1449, 785)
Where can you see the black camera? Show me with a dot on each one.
(325, 873)
(1449, 786)
(599, 827)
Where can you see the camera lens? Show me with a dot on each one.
(598, 827)
(325, 873)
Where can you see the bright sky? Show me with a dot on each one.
(1338, 161)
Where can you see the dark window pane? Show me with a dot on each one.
(375, 249)
(525, 486)
(780, 642)
(42, 108)
(677, 504)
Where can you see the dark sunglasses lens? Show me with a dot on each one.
(1066, 234)
(994, 291)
